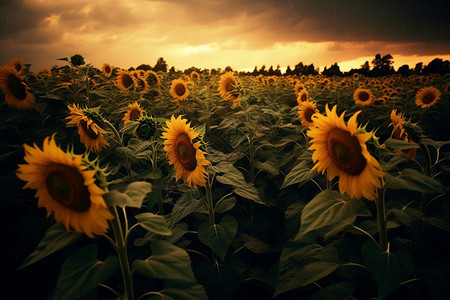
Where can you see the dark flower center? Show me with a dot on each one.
(18, 67)
(229, 86)
(180, 89)
(135, 114)
(308, 114)
(345, 151)
(88, 130)
(186, 152)
(428, 98)
(65, 184)
(151, 79)
(107, 69)
(127, 81)
(16, 87)
(304, 97)
(363, 96)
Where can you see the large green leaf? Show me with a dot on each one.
(218, 237)
(395, 144)
(132, 197)
(184, 206)
(410, 179)
(225, 205)
(166, 262)
(82, 272)
(301, 265)
(327, 208)
(299, 174)
(55, 239)
(175, 290)
(153, 223)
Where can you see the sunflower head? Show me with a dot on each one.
(17, 64)
(427, 96)
(400, 132)
(77, 60)
(147, 127)
(133, 113)
(16, 91)
(179, 90)
(228, 87)
(66, 186)
(342, 151)
(107, 69)
(185, 154)
(302, 96)
(298, 87)
(363, 96)
(125, 81)
(306, 111)
(152, 78)
(194, 75)
(89, 122)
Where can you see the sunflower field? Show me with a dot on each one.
(135, 184)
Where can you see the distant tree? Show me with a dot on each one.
(404, 70)
(263, 70)
(255, 71)
(192, 69)
(271, 71)
(333, 70)
(382, 65)
(228, 69)
(161, 65)
(437, 66)
(288, 71)
(418, 68)
(172, 70)
(130, 69)
(277, 72)
(214, 71)
(144, 67)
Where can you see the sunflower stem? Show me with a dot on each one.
(120, 142)
(209, 202)
(122, 253)
(381, 214)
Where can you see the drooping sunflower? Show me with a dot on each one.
(179, 90)
(302, 96)
(16, 91)
(363, 96)
(427, 96)
(125, 81)
(152, 78)
(399, 133)
(133, 113)
(341, 150)
(66, 187)
(306, 111)
(17, 64)
(194, 75)
(91, 134)
(188, 160)
(107, 69)
(228, 88)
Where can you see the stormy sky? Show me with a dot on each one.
(216, 34)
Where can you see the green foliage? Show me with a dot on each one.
(219, 236)
(132, 197)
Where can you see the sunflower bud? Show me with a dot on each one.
(77, 60)
(147, 127)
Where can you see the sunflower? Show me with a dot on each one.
(363, 96)
(66, 187)
(133, 113)
(356, 76)
(91, 134)
(45, 71)
(107, 69)
(228, 88)
(17, 64)
(427, 96)
(194, 75)
(298, 88)
(125, 81)
(152, 78)
(399, 133)
(188, 160)
(341, 150)
(16, 91)
(179, 90)
(306, 111)
(302, 96)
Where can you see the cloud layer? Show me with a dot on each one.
(209, 34)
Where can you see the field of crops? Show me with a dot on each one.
(137, 184)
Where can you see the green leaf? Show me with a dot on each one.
(338, 291)
(235, 178)
(132, 197)
(153, 223)
(410, 179)
(218, 237)
(266, 166)
(299, 174)
(395, 144)
(82, 272)
(184, 206)
(179, 290)
(301, 265)
(55, 239)
(225, 205)
(327, 208)
(166, 262)
(387, 273)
